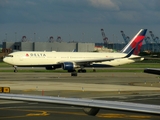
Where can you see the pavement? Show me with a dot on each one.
(119, 86)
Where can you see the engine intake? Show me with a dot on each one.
(68, 66)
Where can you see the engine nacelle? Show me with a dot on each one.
(91, 111)
(68, 66)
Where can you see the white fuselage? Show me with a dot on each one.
(27, 58)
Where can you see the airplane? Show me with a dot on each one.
(72, 60)
(91, 107)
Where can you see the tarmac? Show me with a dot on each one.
(106, 83)
(119, 86)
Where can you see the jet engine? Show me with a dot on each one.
(91, 111)
(68, 66)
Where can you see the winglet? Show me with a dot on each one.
(135, 43)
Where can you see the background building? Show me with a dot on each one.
(151, 44)
(49, 46)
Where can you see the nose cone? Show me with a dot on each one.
(4, 60)
(8, 60)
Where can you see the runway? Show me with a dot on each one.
(132, 87)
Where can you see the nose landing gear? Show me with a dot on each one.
(15, 69)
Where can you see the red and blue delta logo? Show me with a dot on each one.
(35, 55)
(27, 55)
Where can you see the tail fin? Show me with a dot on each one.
(135, 43)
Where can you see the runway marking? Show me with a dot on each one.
(34, 113)
(71, 113)
(113, 115)
(110, 115)
(43, 113)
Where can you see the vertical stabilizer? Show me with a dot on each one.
(135, 43)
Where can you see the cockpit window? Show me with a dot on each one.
(9, 56)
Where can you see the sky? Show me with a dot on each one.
(77, 20)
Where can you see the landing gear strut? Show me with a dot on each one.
(74, 72)
(15, 69)
(94, 70)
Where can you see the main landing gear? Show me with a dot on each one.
(74, 72)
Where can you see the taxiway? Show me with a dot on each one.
(120, 86)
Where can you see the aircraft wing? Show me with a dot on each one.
(89, 61)
(152, 71)
(86, 103)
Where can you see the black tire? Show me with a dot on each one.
(74, 74)
(79, 70)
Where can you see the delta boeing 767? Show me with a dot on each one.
(73, 60)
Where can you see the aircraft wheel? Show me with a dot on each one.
(15, 71)
(79, 70)
(74, 74)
